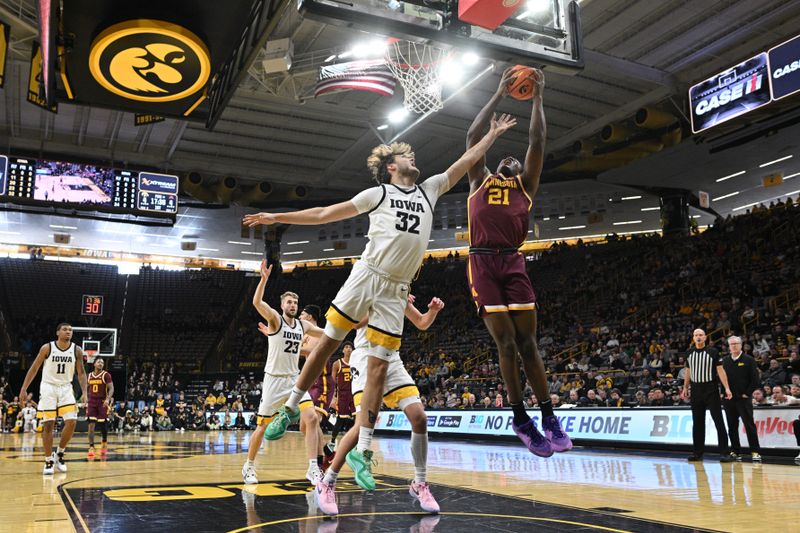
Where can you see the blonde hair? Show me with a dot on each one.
(289, 294)
(382, 155)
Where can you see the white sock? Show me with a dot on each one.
(249, 463)
(59, 449)
(294, 398)
(330, 476)
(312, 463)
(364, 439)
(419, 450)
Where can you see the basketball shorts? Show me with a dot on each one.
(275, 391)
(368, 291)
(96, 411)
(321, 396)
(399, 390)
(57, 400)
(499, 283)
(346, 406)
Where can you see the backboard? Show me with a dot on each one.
(541, 33)
(100, 341)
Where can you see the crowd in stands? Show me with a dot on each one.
(615, 322)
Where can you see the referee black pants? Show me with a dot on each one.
(735, 409)
(706, 396)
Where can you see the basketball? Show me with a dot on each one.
(520, 86)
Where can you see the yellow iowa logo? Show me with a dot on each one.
(150, 61)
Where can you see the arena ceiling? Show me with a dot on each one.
(638, 53)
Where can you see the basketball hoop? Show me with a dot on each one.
(416, 67)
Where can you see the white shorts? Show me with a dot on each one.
(57, 400)
(369, 292)
(275, 390)
(399, 390)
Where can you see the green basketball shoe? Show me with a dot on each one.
(285, 417)
(361, 463)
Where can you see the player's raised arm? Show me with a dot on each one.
(272, 317)
(423, 321)
(311, 330)
(473, 155)
(44, 351)
(481, 123)
(537, 134)
(309, 217)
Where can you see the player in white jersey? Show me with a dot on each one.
(29, 418)
(399, 392)
(401, 216)
(60, 360)
(285, 332)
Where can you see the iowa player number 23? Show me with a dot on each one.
(498, 197)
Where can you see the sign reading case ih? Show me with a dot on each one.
(730, 94)
(784, 68)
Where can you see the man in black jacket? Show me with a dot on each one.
(743, 379)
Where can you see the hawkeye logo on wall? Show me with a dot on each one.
(150, 61)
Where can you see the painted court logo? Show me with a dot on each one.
(150, 61)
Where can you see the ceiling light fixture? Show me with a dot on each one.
(625, 223)
(241, 243)
(398, 115)
(729, 176)
(718, 198)
(631, 197)
(768, 163)
(565, 228)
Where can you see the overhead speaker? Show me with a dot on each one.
(225, 189)
(613, 133)
(298, 192)
(61, 238)
(257, 194)
(651, 118)
(194, 184)
(188, 246)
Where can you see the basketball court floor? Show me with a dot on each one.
(192, 482)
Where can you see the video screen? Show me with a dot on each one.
(73, 183)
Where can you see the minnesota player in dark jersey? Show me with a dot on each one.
(498, 211)
(342, 402)
(100, 389)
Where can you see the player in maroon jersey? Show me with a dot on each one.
(321, 393)
(100, 390)
(342, 402)
(498, 211)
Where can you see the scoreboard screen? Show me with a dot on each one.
(84, 186)
(92, 305)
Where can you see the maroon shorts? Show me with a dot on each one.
(321, 401)
(499, 283)
(96, 411)
(346, 406)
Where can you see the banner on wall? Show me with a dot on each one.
(784, 67)
(647, 426)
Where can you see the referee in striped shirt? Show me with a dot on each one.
(703, 365)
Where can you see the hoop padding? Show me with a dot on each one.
(416, 67)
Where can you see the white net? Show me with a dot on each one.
(416, 67)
